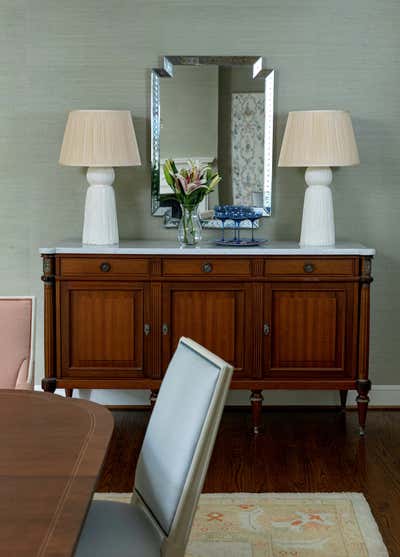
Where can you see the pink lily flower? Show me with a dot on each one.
(193, 186)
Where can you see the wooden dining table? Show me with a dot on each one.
(51, 453)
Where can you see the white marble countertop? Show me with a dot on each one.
(162, 247)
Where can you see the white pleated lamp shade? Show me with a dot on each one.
(99, 138)
(319, 138)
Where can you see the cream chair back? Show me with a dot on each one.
(17, 337)
(180, 439)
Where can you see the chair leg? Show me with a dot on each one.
(69, 393)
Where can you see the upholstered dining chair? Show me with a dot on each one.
(17, 332)
(172, 464)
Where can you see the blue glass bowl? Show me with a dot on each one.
(238, 214)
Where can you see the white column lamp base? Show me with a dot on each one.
(100, 225)
(318, 225)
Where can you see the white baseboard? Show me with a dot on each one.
(381, 395)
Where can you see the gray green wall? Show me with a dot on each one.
(56, 55)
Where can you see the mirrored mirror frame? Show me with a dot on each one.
(161, 205)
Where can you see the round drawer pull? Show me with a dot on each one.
(309, 268)
(207, 267)
(105, 267)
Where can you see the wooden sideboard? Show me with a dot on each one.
(285, 317)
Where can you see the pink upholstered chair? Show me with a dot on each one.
(17, 327)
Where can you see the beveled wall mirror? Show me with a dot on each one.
(219, 111)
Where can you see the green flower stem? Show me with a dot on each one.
(185, 232)
(188, 225)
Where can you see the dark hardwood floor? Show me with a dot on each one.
(299, 450)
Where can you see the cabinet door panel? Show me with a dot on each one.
(311, 331)
(102, 329)
(213, 315)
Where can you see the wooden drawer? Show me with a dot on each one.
(203, 266)
(103, 266)
(310, 266)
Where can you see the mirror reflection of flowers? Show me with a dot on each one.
(190, 185)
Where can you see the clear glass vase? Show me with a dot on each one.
(189, 230)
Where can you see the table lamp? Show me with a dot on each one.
(318, 140)
(100, 140)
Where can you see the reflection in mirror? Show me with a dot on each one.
(189, 118)
(212, 110)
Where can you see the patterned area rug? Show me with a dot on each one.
(281, 525)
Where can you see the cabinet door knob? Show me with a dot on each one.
(266, 329)
(147, 329)
(165, 329)
(308, 268)
(105, 267)
(207, 267)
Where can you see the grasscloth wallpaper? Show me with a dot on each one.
(60, 55)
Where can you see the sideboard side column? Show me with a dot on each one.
(363, 382)
(49, 382)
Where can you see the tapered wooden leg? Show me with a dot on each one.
(153, 397)
(363, 388)
(343, 399)
(256, 400)
(69, 392)
(49, 384)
